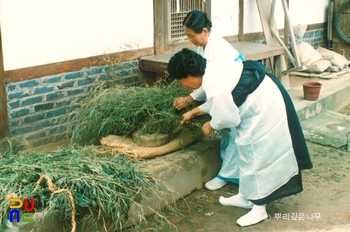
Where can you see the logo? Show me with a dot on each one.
(16, 204)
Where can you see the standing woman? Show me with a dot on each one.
(213, 48)
(270, 141)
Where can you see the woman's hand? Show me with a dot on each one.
(182, 102)
(207, 129)
(186, 117)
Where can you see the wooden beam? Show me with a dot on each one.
(291, 32)
(289, 55)
(71, 65)
(286, 32)
(330, 26)
(269, 25)
(207, 8)
(264, 8)
(272, 15)
(276, 36)
(4, 123)
(160, 17)
(241, 20)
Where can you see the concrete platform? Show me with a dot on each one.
(334, 95)
(185, 171)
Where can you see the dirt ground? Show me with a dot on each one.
(324, 205)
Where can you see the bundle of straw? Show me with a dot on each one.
(127, 146)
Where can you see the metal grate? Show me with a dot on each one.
(179, 9)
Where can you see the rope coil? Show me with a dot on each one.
(70, 195)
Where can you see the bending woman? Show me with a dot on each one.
(271, 144)
(214, 48)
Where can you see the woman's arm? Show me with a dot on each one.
(186, 117)
(207, 128)
(182, 102)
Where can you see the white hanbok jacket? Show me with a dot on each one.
(216, 49)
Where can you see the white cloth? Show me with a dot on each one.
(267, 159)
(266, 155)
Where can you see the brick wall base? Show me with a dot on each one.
(37, 107)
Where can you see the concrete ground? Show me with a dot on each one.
(328, 128)
(187, 170)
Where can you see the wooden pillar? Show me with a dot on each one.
(291, 33)
(160, 14)
(207, 8)
(241, 21)
(279, 64)
(286, 32)
(4, 123)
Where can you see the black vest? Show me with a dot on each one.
(252, 75)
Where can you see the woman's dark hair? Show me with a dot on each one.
(186, 62)
(197, 20)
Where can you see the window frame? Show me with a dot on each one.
(162, 37)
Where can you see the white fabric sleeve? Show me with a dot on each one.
(206, 106)
(218, 82)
(224, 112)
(198, 94)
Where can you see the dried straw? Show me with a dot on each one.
(48, 179)
(100, 188)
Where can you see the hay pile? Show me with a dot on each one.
(103, 186)
(121, 111)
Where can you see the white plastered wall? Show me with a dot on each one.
(39, 32)
(224, 14)
(36, 32)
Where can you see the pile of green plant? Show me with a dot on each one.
(123, 110)
(103, 185)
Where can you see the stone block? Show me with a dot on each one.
(150, 140)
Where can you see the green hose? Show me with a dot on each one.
(337, 15)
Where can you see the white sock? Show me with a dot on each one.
(236, 200)
(215, 184)
(257, 214)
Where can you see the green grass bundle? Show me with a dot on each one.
(103, 186)
(124, 110)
